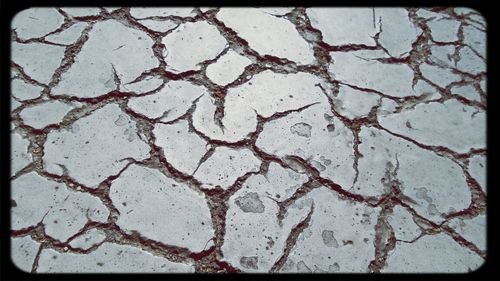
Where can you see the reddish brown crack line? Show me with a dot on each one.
(69, 57)
(429, 227)
(114, 235)
(25, 77)
(251, 138)
(463, 242)
(204, 158)
(315, 180)
(478, 200)
(217, 200)
(210, 260)
(385, 239)
(66, 24)
(354, 126)
(291, 241)
(438, 150)
(300, 192)
(371, 121)
(34, 267)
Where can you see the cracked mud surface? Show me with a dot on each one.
(248, 140)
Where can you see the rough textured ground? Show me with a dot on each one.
(248, 140)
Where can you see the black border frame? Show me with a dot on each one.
(8, 271)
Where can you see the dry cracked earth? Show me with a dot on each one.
(248, 140)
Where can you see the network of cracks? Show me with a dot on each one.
(248, 140)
